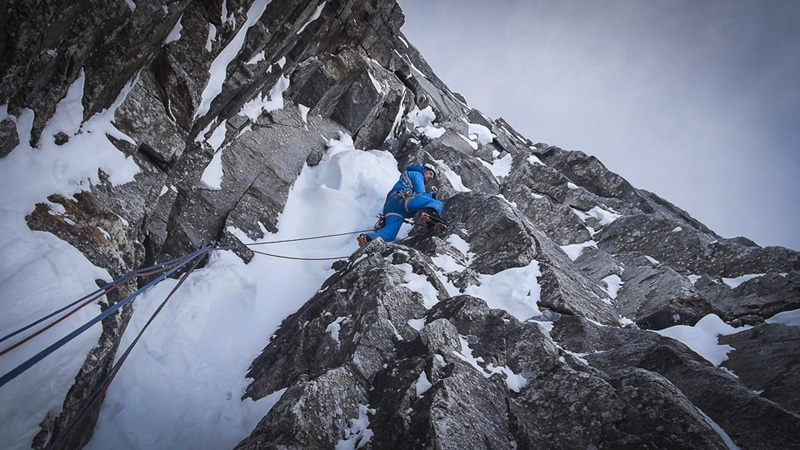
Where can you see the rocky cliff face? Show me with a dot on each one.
(269, 82)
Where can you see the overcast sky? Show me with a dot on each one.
(695, 100)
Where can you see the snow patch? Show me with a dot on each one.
(500, 168)
(304, 112)
(417, 324)
(603, 216)
(315, 16)
(613, 283)
(735, 282)
(515, 290)
(452, 177)
(334, 328)
(378, 87)
(219, 67)
(212, 36)
(702, 337)
(514, 382)
(272, 101)
(472, 144)
(574, 250)
(419, 283)
(722, 434)
(533, 160)
(175, 34)
(212, 175)
(791, 318)
(422, 119)
(460, 244)
(422, 385)
(652, 260)
(257, 58)
(480, 133)
(359, 434)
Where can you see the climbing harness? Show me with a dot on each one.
(402, 196)
(382, 220)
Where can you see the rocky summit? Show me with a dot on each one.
(370, 361)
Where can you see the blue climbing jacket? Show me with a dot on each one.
(412, 179)
(407, 197)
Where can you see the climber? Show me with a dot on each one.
(407, 197)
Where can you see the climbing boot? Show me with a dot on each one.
(363, 240)
(432, 218)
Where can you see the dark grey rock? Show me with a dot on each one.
(750, 420)
(471, 377)
(9, 139)
(588, 172)
(691, 252)
(766, 359)
(656, 297)
(104, 238)
(763, 296)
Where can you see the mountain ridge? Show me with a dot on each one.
(449, 371)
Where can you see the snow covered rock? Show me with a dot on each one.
(132, 133)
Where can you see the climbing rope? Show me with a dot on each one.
(166, 269)
(110, 287)
(309, 238)
(111, 310)
(298, 258)
(93, 399)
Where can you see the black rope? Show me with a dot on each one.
(230, 247)
(298, 258)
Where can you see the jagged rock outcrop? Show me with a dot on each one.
(260, 87)
(457, 375)
(750, 420)
(767, 346)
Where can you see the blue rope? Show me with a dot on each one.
(105, 288)
(183, 261)
(133, 274)
(46, 352)
(103, 386)
(54, 313)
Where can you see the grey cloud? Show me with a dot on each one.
(698, 101)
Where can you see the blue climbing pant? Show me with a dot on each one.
(397, 208)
